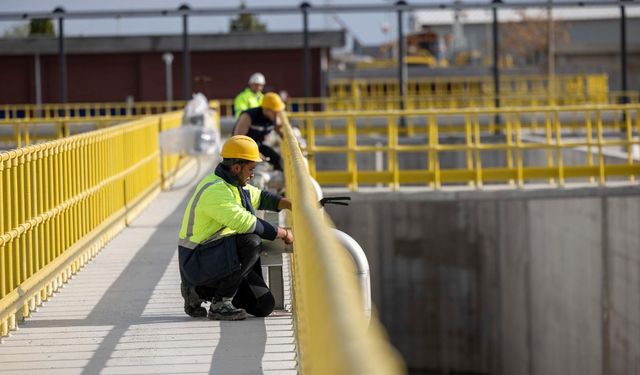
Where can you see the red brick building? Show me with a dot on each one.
(108, 69)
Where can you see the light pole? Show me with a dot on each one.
(62, 63)
(551, 53)
(304, 7)
(402, 67)
(496, 59)
(186, 61)
(623, 52)
(167, 57)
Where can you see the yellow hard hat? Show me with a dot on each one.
(241, 147)
(273, 102)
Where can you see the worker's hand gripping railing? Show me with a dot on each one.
(332, 330)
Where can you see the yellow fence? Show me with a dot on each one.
(571, 89)
(374, 94)
(622, 97)
(20, 132)
(87, 110)
(439, 101)
(63, 200)
(527, 145)
(333, 335)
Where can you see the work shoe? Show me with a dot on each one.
(195, 311)
(192, 302)
(224, 310)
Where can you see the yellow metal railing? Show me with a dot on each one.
(441, 101)
(527, 145)
(87, 110)
(293, 105)
(620, 97)
(332, 330)
(63, 200)
(18, 133)
(450, 121)
(360, 94)
(573, 89)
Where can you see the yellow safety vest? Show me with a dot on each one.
(245, 100)
(215, 211)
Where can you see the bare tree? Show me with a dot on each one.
(527, 40)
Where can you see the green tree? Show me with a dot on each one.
(17, 31)
(42, 26)
(246, 22)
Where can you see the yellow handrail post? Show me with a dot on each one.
(311, 146)
(392, 151)
(558, 135)
(601, 168)
(547, 120)
(352, 161)
(434, 164)
(519, 163)
(17, 134)
(22, 249)
(509, 139)
(15, 207)
(27, 140)
(629, 127)
(468, 135)
(477, 147)
(589, 139)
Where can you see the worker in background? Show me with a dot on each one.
(220, 239)
(251, 96)
(258, 122)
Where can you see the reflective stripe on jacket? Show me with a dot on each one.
(215, 210)
(245, 100)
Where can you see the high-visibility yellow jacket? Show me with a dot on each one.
(215, 211)
(218, 210)
(247, 99)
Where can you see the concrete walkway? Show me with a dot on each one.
(122, 314)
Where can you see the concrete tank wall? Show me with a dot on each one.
(505, 282)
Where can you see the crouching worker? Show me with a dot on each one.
(220, 239)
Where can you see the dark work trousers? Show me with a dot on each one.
(251, 292)
(274, 157)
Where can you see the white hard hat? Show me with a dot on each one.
(257, 78)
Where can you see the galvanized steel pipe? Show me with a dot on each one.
(362, 268)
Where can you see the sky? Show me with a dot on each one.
(368, 28)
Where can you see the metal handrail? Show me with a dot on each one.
(558, 130)
(333, 334)
(63, 200)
